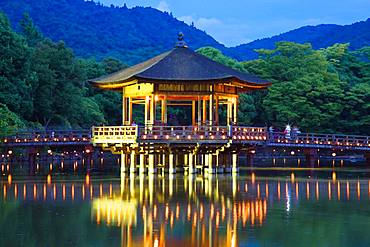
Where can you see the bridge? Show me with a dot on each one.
(258, 136)
(109, 137)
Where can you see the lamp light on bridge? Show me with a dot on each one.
(88, 151)
(292, 153)
(333, 154)
(253, 151)
(10, 152)
(49, 152)
(9, 179)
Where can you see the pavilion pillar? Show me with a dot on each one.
(146, 110)
(193, 119)
(152, 109)
(235, 115)
(164, 110)
(204, 111)
(130, 110)
(211, 109)
(199, 110)
(229, 110)
(216, 111)
(124, 109)
(133, 162)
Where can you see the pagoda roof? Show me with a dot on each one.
(180, 65)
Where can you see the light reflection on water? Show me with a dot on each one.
(184, 211)
(77, 204)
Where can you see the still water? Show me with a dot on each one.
(63, 206)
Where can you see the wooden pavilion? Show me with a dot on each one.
(179, 77)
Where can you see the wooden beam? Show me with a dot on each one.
(199, 111)
(124, 109)
(211, 109)
(130, 110)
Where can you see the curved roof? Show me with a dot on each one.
(180, 64)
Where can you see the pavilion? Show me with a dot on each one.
(179, 77)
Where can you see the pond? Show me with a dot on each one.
(75, 206)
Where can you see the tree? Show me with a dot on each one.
(15, 75)
(9, 121)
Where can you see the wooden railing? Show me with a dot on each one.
(114, 134)
(45, 137)
(320, 139)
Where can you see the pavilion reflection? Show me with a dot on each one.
(156, 210)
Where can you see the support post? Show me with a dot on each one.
(191, 164)
(123, 162)
(211, 168)
(311, 156)
(235, 168)
(151, 169)
(142, 164)
(132, 162)
(171, 168)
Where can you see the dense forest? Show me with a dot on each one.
(43, 85)
(136, 34)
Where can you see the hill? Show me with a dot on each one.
(136, 34)
(91, 29)
(321, 36)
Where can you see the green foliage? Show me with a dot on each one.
(9, 121)
(323, 90)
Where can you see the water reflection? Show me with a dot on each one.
(183, 210)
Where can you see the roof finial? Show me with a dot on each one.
(180, 41)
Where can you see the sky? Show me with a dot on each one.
(234, 22)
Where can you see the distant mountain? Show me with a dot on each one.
(321, 36)
(91, 29)
(136, 34)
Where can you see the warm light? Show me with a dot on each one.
(10, 152)
(156, 98)
(9, 179)
(334, 176)
(333, 154)
(292, 153)
(49, 151)
(292, 177)
(48, 179)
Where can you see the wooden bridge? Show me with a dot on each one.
(256, 136)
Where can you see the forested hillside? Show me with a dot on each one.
(93, 30)
(321, 36)
(136, 34)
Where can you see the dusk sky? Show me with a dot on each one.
(240, 21)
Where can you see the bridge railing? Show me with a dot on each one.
(320, 139)
(47, 136)
(114, 134)
(121, 134)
